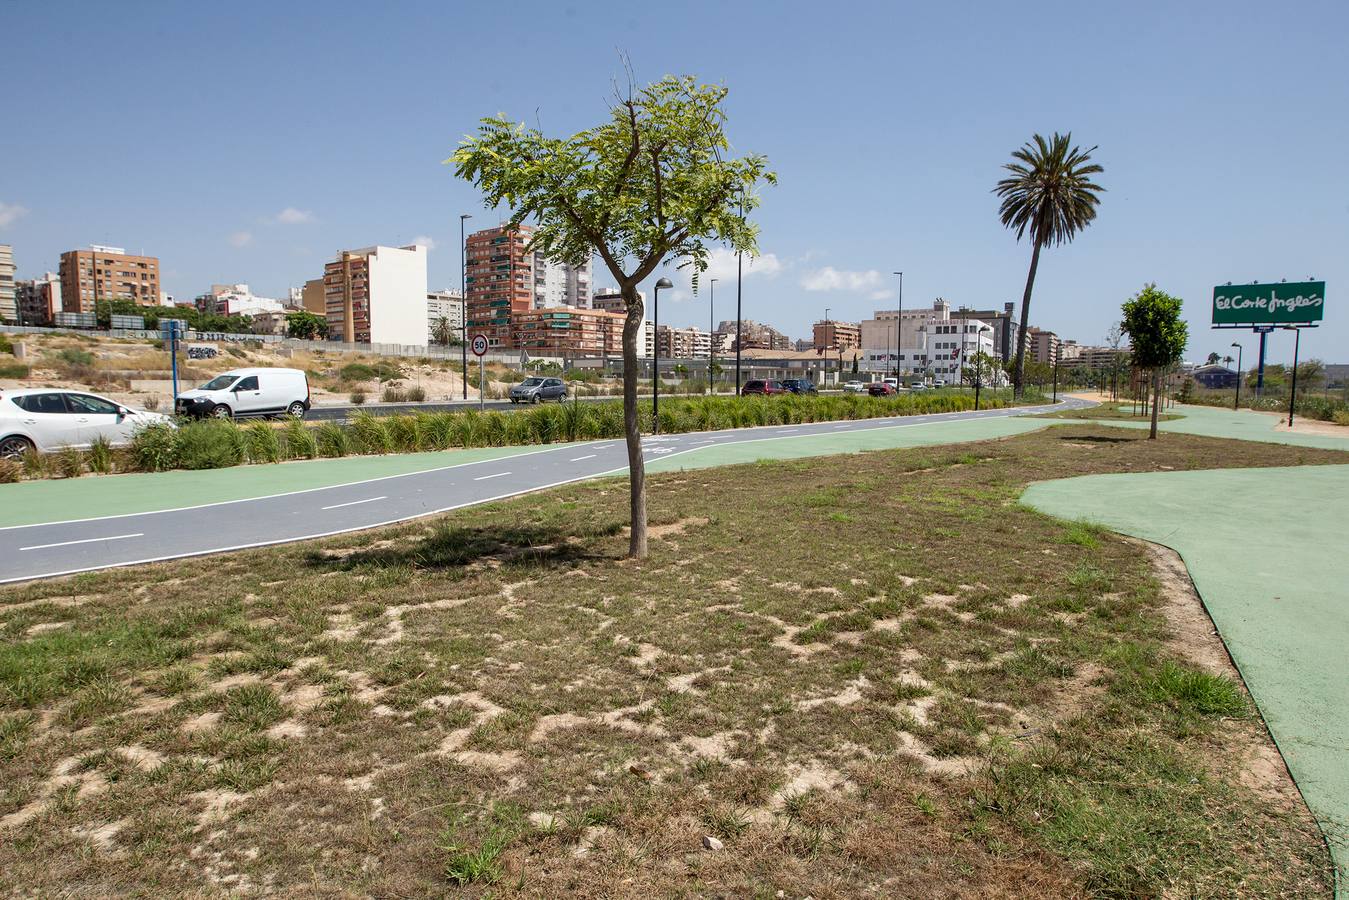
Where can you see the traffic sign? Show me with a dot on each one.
(479, 346)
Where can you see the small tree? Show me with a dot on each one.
(1158, 335)
(306, 326)
(654, 183)
(442, 332)
(981, 369)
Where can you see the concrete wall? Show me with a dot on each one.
(398, 295)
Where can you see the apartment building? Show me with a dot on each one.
(102, 274)
(377, 295)
(312, 297)
(610, 300)
(560, 284)
(1042, 346)
(499, 275)
(563, 331)
(39, 299)
(683, 343)
(831, 335)
(753, 335)
(447, 305)
(9, 304)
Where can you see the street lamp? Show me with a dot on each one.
(1237, 402)
(899, 322)
(711, 333)
(463, 298)
(739, 277)
(655, 347)
(888, 359)
(824, 378)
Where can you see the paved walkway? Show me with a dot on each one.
(1243, 425)
(1264, 549)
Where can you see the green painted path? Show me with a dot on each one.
(59, 500)
(1260, 546)
(1242, 425)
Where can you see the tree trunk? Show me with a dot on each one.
(1019, 370)
(631, 430)
(1156, 399)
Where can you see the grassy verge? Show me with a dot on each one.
(863, 674)
(215, 444)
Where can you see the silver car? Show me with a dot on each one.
(537, 389)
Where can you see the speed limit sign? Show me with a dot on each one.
(479, 345)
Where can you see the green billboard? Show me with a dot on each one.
(1285, 303)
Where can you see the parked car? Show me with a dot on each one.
(917, 386)
(854, 387)
(764, 388)
(880, 388)
(243, 393)
(43, 420)
(537, 389)
(800, 386)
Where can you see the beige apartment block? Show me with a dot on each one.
(102, 274)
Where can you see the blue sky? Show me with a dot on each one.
(250, 141)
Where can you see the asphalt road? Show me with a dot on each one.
(64, 548)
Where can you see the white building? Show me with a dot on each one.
(236, 300)
(447, 305)
(559, 284)
(940, 350)
(9, 306)
(377, 295)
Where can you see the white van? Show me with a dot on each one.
(249, 392)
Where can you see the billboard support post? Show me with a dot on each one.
(1292, 394)
(1260, 371)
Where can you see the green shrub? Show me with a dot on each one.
(10, 471)
(154, 448)
(34, 464)
(1341, 417)
(370, 433)
(404, 433)
(332, 440)
(436, 430)
(416, 394)
(357, 397)
(392, 393)
(13, 370)
(1206, 694)
(76, 357)
(211, 444)
(5, 345)
(100, 456)
(299, 441)
(262, 443)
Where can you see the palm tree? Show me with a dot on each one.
(1051, 194)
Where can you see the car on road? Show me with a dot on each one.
(537, 389)
(854, 387)
(762, 388)
(800, 386)
(880, 389)
(244, 393)
(918, 386)
(43, 420)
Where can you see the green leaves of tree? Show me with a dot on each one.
(1156, 330)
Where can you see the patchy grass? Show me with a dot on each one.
(869, 674)
(1109, 411)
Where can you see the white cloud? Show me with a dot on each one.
(721, 265)
(425, 241)
(880, 295)
(292, 216)
(241, 238)
(11, 213)
(831, 279)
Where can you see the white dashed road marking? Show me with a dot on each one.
(114, 537)
(352, 503)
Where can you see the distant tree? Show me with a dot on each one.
(306, 326)
(654, 183)
(1050, 194)
(1212, 359)
(979, 370)
(1158, 335)
(442, 332)
(1114, 339)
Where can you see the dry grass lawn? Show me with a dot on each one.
(867, 674)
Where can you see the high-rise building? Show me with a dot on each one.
(831, 335)
(754, 336)
(504, 279)
(1042, 346)
(38, 300)
(562, 331)
(377, 295)
(9, 306)
(447, 305)
(683, 343)
(102, 274)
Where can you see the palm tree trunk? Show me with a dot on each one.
(1156, 399)
(1019, 370)
(631, 431)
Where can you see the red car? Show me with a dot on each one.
(763, 387)
(880, 389)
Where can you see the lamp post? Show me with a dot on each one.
(739, 277)
(1292, 394)
(899, 323)
(463, 296)
(825, 365)
(1237, 401)
(888, 358)
(655, 347)
(711, 333)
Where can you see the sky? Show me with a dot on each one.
(249, 142)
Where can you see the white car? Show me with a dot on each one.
(44, 419)
(249, 392)
(854, 387)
